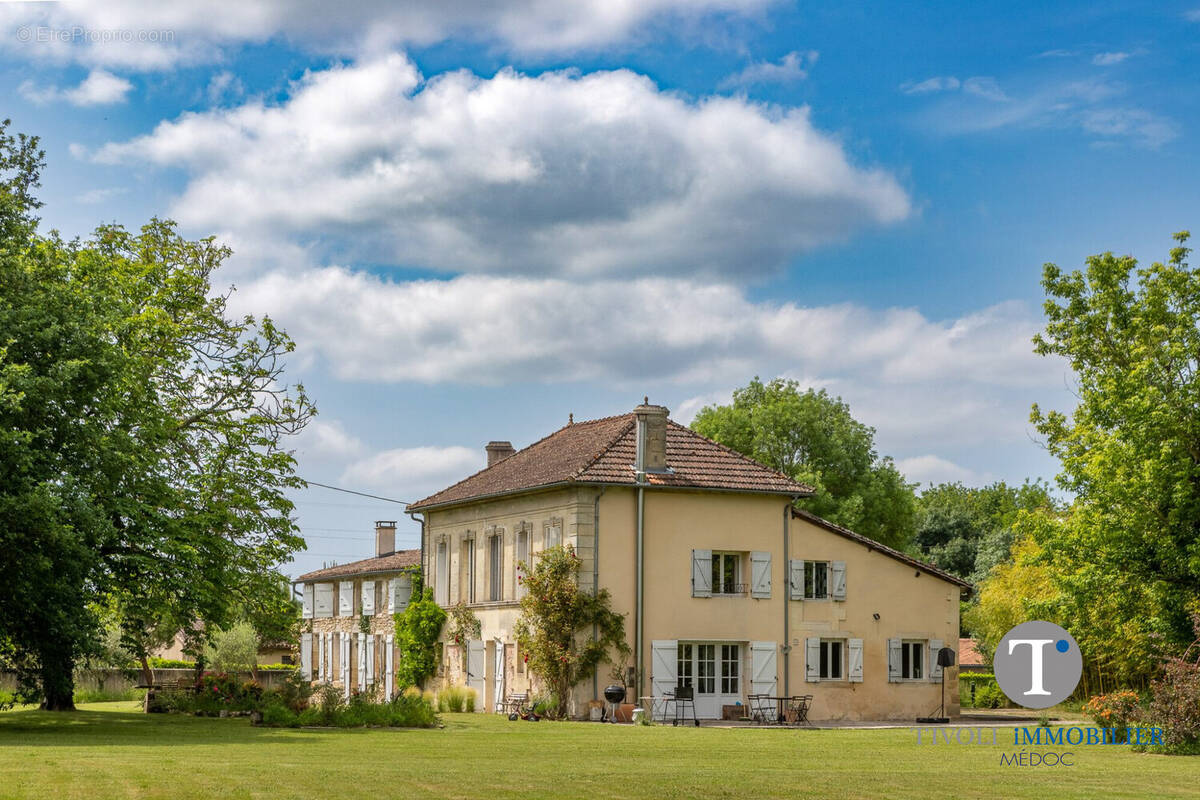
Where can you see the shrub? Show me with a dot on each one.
(1175, 706)
(331, 710)
(989, 696)
(170, 663)
(234, 649)
(1115, 710)
(545, 705)
(456, 699)
(7, 700)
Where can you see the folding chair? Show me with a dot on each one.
(762, 710)
(798, 708)
(684, 700)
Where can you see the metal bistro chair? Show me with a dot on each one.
(798, 709)
(762, 708)
(684, 701)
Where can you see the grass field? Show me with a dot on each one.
(111, 750)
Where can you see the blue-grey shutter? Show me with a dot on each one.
(702, 573)
(855, 673)
(812, 659)
(934, 671)
(760, 573)
(895, 661)
(796, 578)
(838, 580)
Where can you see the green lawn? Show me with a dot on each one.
(111, 750)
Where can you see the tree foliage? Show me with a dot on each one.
(418, 628)
(557, 620)
(811, 437)
(142, 432)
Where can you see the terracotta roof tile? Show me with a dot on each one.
(968, 654)
(389, 563)
(602, 452)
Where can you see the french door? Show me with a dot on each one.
(713, 670)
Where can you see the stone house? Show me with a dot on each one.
(347, 613)
(725, 585)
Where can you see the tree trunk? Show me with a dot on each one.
(58, 678)
(147, 673)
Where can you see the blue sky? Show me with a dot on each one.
(475, 220)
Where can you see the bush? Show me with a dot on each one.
(7, 700)
(545, 705)
(990, 696)
(235, 649)
(332, 711)
(456, 699)
(170, 663)
(987, 692)
(1175, 706)
(1115, 710)
(214, 693)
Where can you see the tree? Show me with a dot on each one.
(555, 629)
(142, 432)
(234, 649)
(1130, 451)
(418, 628)
(811, 437)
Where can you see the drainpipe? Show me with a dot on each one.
(413, 517)
(641, 523)
(787, 602)
(596, 582)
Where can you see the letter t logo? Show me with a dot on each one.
(1036, 646)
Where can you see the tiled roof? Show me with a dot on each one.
(602, 451)
(968, 654)
(389, 563)
(871, 544)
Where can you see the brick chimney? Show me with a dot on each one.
(498, 451)
(651, 438)
(385, 537)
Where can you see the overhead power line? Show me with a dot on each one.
(360, 494)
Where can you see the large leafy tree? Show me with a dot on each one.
(811, 436)
(142, 432)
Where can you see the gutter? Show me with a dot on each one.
(787, 596)
(413, 516)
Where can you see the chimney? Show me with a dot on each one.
(498, 451)
(651, 438)
(385, 537)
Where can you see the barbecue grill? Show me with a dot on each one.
(615, 695)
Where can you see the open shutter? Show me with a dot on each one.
(760, 572)
(812, 659)
(664, 666)
(498, 677)
(894, 660)
(477, 670)
(401, 592)
(701, 573)
(391, 596)
(321, 656)
(306, 656)
(856, 661)
(796, 578)
(390, 665)
(346, 599)
(368, 598)
(362, 661)
(838, 580)
(935, 672)
(308, 602)
(345, 663)
(763, 669)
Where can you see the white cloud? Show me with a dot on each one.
(414, 472)
(1108, 59)
(224, 86)
(984, 87)
(791, 68)
(938, 83)
(95, 196)
(587, 175)
(979, 86)
(99, 88)
(324, 441)
(1139, 125)
(1193, 15)
(931, 469)
(149, 34)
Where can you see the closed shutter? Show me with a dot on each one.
(498, 677)
(308, 602)
(477, 670)
(855, 673)
(390, 666)
(323, 600)
(368, 598)
(321, 656)
(838, 580)
(391, 595)
(346, 599)
(935, 672)
(812, 659)
(796, 578)
(895, 663)
(763, 670)
(401, 592)
(664, 666)
(760, 572)
(702, 573)
(306, 656)
(345, 663)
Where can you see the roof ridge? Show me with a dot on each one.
(742, 456)
(607, 445)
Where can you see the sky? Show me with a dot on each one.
(476, 218)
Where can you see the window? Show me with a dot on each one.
(522, 558)
(706, 668)
(495, 557)
(831, 659)
(466, 587)
(683, 673)
(731, 663)
(911, 654)
(443, 574)
(553, 534)
(726, 569)
(816, 580)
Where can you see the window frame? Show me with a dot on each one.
(912, 653)
(718, 586)
(731, 668)
(826, 660)
(496, 567)
(811, 582)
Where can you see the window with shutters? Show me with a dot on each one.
(552, 534)
(495, 562)
(522, 558)
(731, 664)
(832, 659)
(816, 580)
(912, 654)
(727, 574)
(443, 574)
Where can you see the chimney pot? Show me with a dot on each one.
(651, 438)
(385, 537)
(498, 451)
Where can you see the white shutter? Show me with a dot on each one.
(362, 661)
(760, 572)
(308, 602)
(321, 656)
(838, 580)
(498, 677)
(812, 659)
(895, 661)
(796, 578)
(368, 598)
(346, 599)
(702, 573)
(390, 666)
(856, 661)
(306, 656)
(323, 600)
(763, 670)
(935, 672)
(391, 595)
(345, 663)
(477, 670)
(401, 592)
(664, 666)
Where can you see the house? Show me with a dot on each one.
(969, 657)
(725, 585)
(347, 638)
